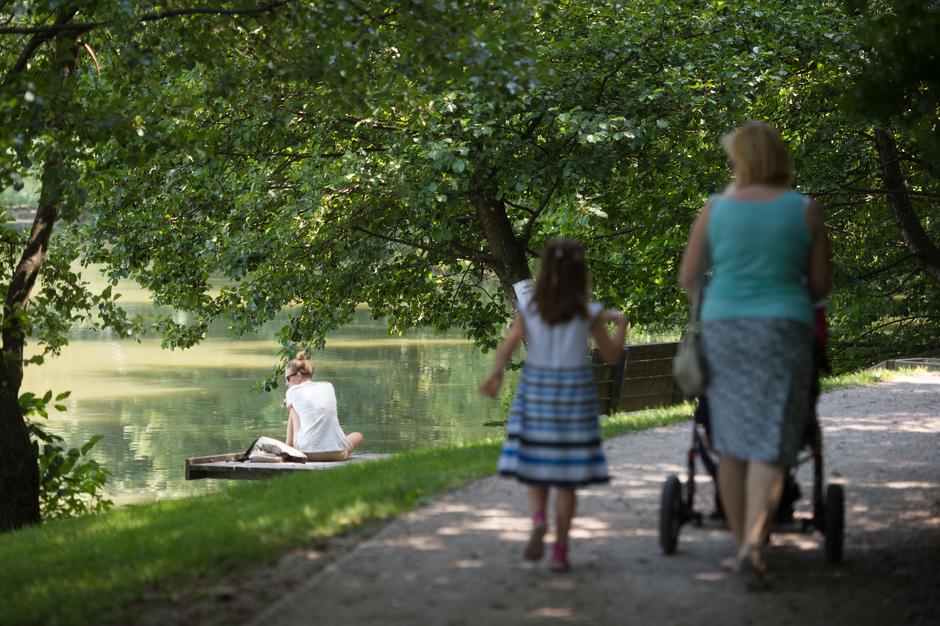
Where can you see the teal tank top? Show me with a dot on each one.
(759, 252)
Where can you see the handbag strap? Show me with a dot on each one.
(695, 310)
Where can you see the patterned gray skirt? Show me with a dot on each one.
(759, 387)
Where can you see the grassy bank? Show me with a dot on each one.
(87, 570)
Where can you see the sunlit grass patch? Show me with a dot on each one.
(866, 377)
(621, 423)
(79, 571)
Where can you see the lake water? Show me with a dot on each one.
(157, 407)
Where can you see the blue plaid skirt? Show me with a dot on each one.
(553, 435)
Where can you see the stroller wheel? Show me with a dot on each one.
(670, 515)
(834, 523)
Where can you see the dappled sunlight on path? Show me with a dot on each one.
(458, 560)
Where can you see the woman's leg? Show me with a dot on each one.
(732, 472)
(354, 439)
(764, 488)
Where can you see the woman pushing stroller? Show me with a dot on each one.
(768, 251)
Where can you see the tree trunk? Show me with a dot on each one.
(912, 231)
(511, 263)
(19, 466)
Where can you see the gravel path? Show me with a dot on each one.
(457, 561)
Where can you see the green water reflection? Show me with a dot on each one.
(156, 407)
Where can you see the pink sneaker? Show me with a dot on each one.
(559, 561)
(535, 547)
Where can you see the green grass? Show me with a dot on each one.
(865, 377)
(88, 570)
(623, 423)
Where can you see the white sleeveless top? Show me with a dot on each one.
(558, 345)
(315, 403)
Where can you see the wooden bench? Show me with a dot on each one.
(642, 379)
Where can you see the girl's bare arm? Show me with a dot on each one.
(494, 381)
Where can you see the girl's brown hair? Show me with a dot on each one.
(561, 289)
(301, 364)
(759, 155)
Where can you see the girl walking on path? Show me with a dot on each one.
(553, 435)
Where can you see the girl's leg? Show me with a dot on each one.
(538, 499)
(565, 504)
(732, 472)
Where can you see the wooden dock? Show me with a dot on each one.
(224, 466)
(641, 380)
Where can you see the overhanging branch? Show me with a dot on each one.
(75, 28)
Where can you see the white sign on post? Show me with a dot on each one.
(524, 291)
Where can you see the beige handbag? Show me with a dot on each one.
(687, 367)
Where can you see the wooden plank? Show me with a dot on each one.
(222, 466)
(645, 369)
(647, 386)
(215, 457)
(641, 352)
(202, 460)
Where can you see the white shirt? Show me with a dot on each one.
(558, 345)
(315, 404)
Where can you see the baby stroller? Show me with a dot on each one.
(828, 512)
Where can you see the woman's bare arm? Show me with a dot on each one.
(293, 425)
(696, 249)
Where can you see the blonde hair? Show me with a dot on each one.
(758, 155)
(299, 363)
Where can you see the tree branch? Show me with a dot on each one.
(33, 44)
(77, 28)
(526, 233)
(912, 231)
(887, 267)
(900, 320)
(467, 254)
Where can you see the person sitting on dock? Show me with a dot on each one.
(312, 425)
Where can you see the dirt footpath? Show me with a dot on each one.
(457, 561)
